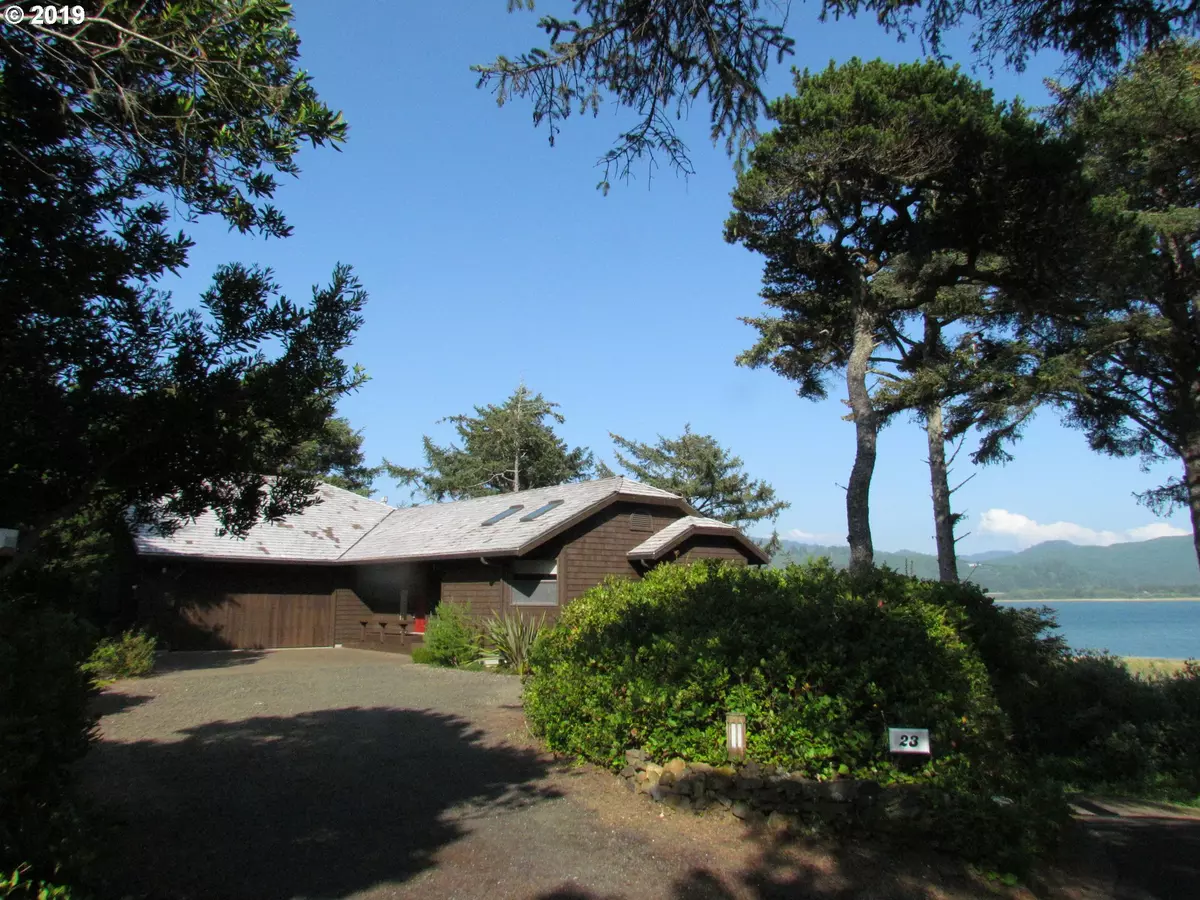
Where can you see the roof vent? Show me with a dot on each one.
(542, 510)
(641, 520)
(503, 515)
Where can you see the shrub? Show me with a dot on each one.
(18, 883)
(513, 636)
(819, 669)
(420, 654)
(451, 636)
(1083, 717)
(821, 663)
(1104, 728)
(45, 726)
(131, 655)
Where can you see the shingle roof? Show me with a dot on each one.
(659, 543)
(447, 530)
(320, 533)
(346, 528)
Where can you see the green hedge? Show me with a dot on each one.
(45, 726)
(1104, 729)
(821, 664)
(820, 670)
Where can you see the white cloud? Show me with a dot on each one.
(1026, 531)
(1155, 530)
(814, 537)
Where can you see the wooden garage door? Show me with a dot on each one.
(257, 622)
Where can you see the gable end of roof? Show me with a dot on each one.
(663, 542)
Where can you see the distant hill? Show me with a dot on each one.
(1164, 567)
(987, 555)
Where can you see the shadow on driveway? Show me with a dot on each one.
(1154, 857)
(109, 703)
(321, 804)
(787, 868)
(189, 660)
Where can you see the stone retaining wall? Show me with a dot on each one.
(757, 793)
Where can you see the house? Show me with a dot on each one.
(357, 572)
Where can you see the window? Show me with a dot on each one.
(534, 591)
(534, 582)
(503, 515)
(542, 510)
(535, 566)
(641, 520)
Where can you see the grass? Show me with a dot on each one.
(1149, 666)
(1166, 793)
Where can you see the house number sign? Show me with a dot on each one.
(909, 740)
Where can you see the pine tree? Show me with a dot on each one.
(336, 457)
(890, 196)
(112, 398)
(657, 59)
(704, 473)
(1131, 335)
(505, 448)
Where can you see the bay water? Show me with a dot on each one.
(1163, 628)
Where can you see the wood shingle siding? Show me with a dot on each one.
(704, 546)
(596, 548)
(479, 586)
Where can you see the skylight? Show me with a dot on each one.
(542, 510)
(503, 515)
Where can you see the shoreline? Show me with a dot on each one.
(1100, 600)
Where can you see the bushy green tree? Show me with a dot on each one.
(657, 58)
(704, 473)
(120, 409)
(111, 395)
(337, 458)
(1116, 343)
(887, 193)
(1136, 335)
(505, 448)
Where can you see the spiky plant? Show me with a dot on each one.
(513, 635)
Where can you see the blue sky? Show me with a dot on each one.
(490, 258)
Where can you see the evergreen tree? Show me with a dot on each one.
(1094, 36)
(657, 58)
(110, 397)
(115, 405)
(336, 457)
(505, 448)
(886, 194)
(704, 473)
(1131, 337)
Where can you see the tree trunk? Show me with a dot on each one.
(516, 482)
(866, 429)
(1191, 469)
(939, 479)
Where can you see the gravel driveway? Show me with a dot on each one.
(343, 773)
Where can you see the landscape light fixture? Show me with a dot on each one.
(735, 735)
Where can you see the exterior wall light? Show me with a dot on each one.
(735, 735)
